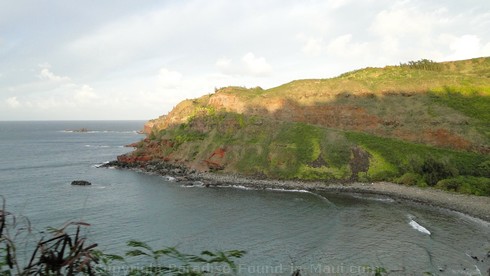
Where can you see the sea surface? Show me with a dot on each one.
(319, 233)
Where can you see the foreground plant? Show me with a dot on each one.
(168, 260)
(66, 252)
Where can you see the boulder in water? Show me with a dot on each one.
(80, 183)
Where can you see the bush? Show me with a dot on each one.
(410, 179)
(466, 185)
(412, 164)
(434, 170)
(484, 169)
(423, 64)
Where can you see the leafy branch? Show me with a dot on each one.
(66, 252)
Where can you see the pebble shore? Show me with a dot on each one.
(475, 206)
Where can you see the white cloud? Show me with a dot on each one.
(46, 74)
(402, 22)
(149, 54)
(406, 30)
(249, 65)
(344, 47)
(50, 103)
(85, 94)
(313, 47)
(13, 102)
(335, 4)
(52, 92)
(257, 66)
(467, 46)
(169, 79)
(224, 64)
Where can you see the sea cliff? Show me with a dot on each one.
(418, 124)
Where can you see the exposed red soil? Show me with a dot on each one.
(339, 116)
(215, 160)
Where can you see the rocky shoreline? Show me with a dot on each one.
(475, 206)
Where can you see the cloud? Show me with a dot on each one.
(249, 65)
(313, 47)
(85, 94)
(224, 64)
(13, 102)
(52, 92)
(169, 79)
(467, 46)
(46, 74)
(335, 4)
(257, 66)
(400, 22)
(344, 47)
(148, 55)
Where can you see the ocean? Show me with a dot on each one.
(319, 233)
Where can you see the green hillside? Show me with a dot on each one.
(420, 123)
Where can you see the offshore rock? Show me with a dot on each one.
(81, 183)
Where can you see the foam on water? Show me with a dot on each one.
(375, 198)
(419, 227)
(97, 146)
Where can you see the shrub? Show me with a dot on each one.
(410, 179)
(466, 184)
(423, 64)
(435, 170)
(483, 169)
(412, 164)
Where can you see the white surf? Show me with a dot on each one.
(418, 227)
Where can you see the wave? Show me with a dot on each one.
(200, 184)
(301, 191)
(288, 190)
(104, 146)
(101, 131)
(248, 188)
(169, 178)
(193, 184)
(473, 219)
(239, 187)
(419, 227)
(100, 165)
(374, 198)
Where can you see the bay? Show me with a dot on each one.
(281, 231)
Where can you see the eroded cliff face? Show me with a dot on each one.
(413, 126)
(351, 112)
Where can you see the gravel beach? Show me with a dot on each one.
(475, 206)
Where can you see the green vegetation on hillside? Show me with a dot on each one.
(421, 123)
(286, 150)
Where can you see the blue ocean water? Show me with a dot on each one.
(281, 231)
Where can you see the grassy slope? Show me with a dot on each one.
(454, 98)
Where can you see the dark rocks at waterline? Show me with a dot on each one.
(179, 172)
(80, 183)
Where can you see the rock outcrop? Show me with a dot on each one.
(80, 183)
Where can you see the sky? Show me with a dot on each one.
(136, 60)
